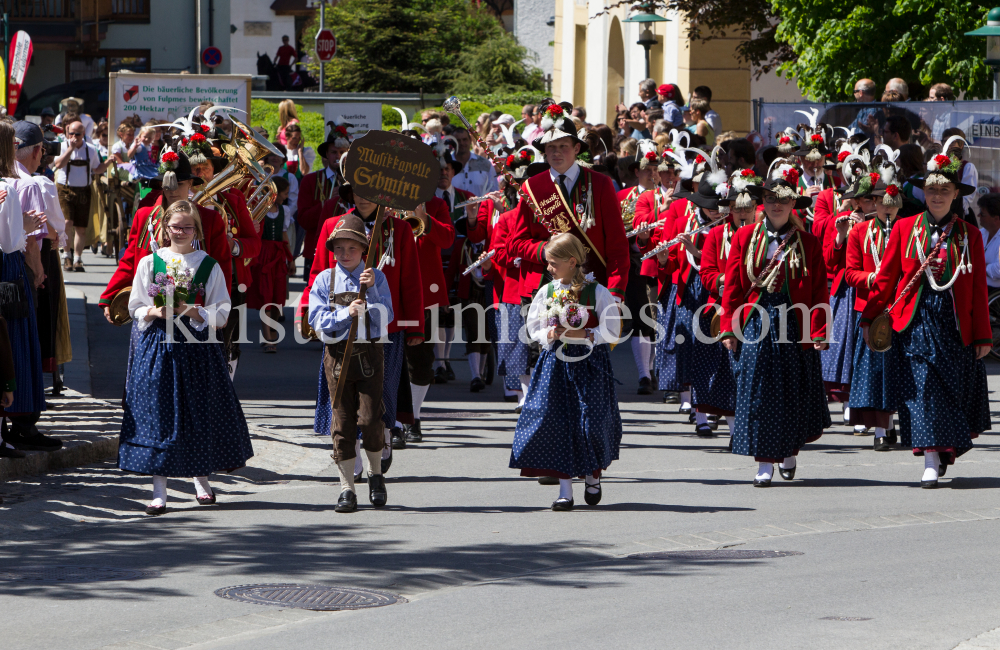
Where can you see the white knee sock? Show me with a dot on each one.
(358, 466)
(525, 384)
(731, 422)
(641, 357)
(159, 491)
(418, 393)
(202, 487)
(483, 362)
(847, 413)
(765, 471)
(474, 359)
(700, 418)
(788, 463)
(931, 463)
(565, 488)
(387, 450)
(374, 461)
(647, 344)
(346, 470)
(686, 398)
(507, 392)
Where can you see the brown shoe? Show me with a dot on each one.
(68, 263)
(78, 267)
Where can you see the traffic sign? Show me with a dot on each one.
(326, 45)
(211, 57)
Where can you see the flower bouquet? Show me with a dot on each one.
(561, 310)
(176, 285)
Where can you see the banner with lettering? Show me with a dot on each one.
(362, 117)
(392, 170)
(20, 57)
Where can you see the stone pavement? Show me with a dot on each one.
(481, 560)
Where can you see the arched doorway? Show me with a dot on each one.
(616, 69)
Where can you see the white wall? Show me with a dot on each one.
(243, 49)
(775, 89)
(531, 31)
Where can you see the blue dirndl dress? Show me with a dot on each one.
(713, 386)
(675, 352)
(942, 384)
(29, 396)
(512, 353)
(838, 359)
(780, 400)
(874, 384)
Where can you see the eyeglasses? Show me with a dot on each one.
(783, 200)
(75, 135)
(180, 230)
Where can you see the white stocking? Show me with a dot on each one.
(159, 491)
(685, 399)
(358, 466)
(731, 422)
(439, 354)
(418, 394)
(641, 357)
(593, 484)
(565, 488)
(346, 470)
(450, 332)
(788, 463)
(202, 487)
(931, 463)
(765, 471)
(700, 418)
(387, 450)
(525, 384)
(374, 461)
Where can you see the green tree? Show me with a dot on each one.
(837, 42)
(499, 64)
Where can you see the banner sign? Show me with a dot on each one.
(169, 96)
(364, 117)
(392, 170)
(20, 56)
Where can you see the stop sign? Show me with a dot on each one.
(326, 45)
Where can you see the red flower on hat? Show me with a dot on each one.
(874, 177)
(650, 155)
(525, 155)
(747, 173)
(784, 139)
(510, 160)
(197, 137)
(892, 190)
(842, 156)
(791, 175)
(818, 139)
(829, 155)
(341, 131)
(699, 159)
(170, 157)
(555, 110)
(942, 161)
(205, 128)
(184, 142)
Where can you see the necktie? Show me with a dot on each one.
(562, 184)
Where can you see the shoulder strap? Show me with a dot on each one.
(204, 271)
(588, 297)
(549, 289)
(159, 266)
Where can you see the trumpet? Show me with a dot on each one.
(475, 265)
(665, 245)
(644, 228)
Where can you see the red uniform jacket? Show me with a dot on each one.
(649, 210)
(860, 263)
(824, 217)
(244, 231)
(901, 263)
(607, 235)
(440, 234)
(403, 276)
(714, 255)
(315, 189)
(482, 233)
(835, 258)
(216, 245)
(508, 289)
(806, 284)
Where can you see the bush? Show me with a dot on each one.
(264, 113)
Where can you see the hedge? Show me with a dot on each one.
(264, 113)
(471, 110)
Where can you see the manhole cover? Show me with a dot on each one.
(844, 618)
(63, 573)
(315, 597)
(718, 554)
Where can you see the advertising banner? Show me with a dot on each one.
(20, 57)
(364, 117)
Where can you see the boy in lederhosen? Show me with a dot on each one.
(333, 303)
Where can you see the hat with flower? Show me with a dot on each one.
(740, 195)
(945, 168)
(338, 136)
(645, 156)
(813, 142)
(783, 180)
(712, 185)
(176, 168)
(556, 124)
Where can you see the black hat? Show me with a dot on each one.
(27, 134)
(943, 169)
(783, 180)
(709, 194)
(176, 168)
(557, 125)
(338, 136)
(645, 159)
(740, 193)
(48, 112)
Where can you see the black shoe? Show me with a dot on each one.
(762, 482)
(548, 480)
(942, 468)
(7, 452)
(691, 417)
(206, 501)
(449, 373)
(929, 484)
(440, 376)
(713, 421)
(376, 490)
(510, 398)
(386, 463)
(704, 431)
(685, 409)
(594, 498)
(476, 385)
(413, 433)
(882, 444)
(562, 505)
(31, 440)
(645, 386)
(398, 441)
(671, 397)
(360, 477)
(787, 474)
(347, 502)
(891, 435)
(156, 510)
(517, 409)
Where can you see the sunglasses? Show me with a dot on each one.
(771, 200)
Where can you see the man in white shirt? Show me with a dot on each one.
(71, 111)
(713, 119)
(75, 168)
(989, 218)
(477, 175)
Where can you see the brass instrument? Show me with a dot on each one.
(628, 211)
(119, 307)
(411, 218)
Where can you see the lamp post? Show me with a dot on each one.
(646, 37)
(992, 34)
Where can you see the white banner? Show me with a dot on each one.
(169, 96)
(364, 117)
(20, 56)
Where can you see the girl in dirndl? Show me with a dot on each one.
(182, 417)
(932, 288)
(570, 424)
(874, 395)
(775, 279)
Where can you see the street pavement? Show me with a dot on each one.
(870, 560)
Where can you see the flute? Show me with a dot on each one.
(473, 201)
(852, 217)
(665, 245)
(475, 265)
(646, 228)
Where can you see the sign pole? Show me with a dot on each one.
(322, 64)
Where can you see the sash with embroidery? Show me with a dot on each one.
(556, 212)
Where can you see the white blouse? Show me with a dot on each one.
(12, 238)
(217, 305)
(609, 318)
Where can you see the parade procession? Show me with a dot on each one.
(310, 307)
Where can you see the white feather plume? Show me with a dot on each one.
(947, 143)
(847, 171)
(403, 122)
(676, 137)
(813, 116)
(687, 168)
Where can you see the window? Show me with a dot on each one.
(81, 66)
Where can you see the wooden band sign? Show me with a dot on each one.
(392, 170)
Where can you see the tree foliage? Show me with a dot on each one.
(837, 42)
(413, 45)
(497, 65)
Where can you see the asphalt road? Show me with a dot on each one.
(874, 561)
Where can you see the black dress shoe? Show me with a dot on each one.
(691, 417)
(386, 463)
(476, 385)
(882, 444)
(206, 500)
(360, 477)
(440, 376)
(8, 452)
(548, 480)
(156, 510)
(592, 499)
(517, 409)
(929, 484)
(413, 433)
(759, 482)
(645, 386)
(376, 490)
(942, 468)
(398, 441)
(704, 431)
(685, 409)
(31, 440)
(562, 504)
(891, 435)
(348, 502)
(449, 373)
(787, 474)
(671, 397)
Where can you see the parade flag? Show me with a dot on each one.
(3, 83)
(20, 56)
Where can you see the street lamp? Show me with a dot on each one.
(992, 34)
(646, 37)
